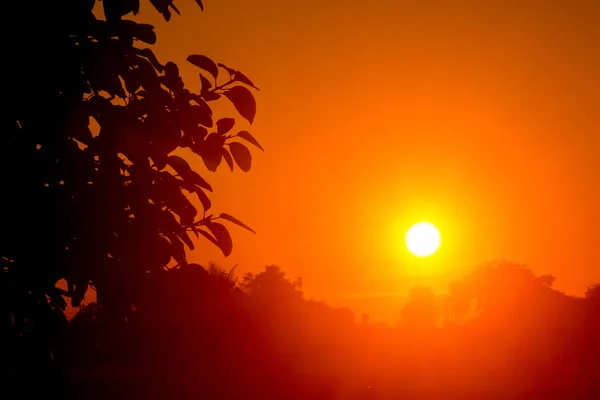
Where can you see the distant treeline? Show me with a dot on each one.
(501, 332)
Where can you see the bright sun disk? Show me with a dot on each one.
(423, 239)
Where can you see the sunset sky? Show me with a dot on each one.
(481, 117)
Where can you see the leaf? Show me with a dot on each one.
(149, 77)
(187, 214)
(197, 180)
(81, 132)
(243, 101)
(230, 71)
(208, 236)
(113, 10)
(168, 190)
(149, 55)
(132, 80)
(171, 69)
(241, 155)
(235, 221)
(163, 8)
(143, 32)
(78, 293)
(198, 133)
(211, 151)
(222, 237)
(185, 238)
(200, 114)
(160, 251)
(170, 226)
(203, 105)
(56, 297)
(183, 235)
(179, 165)
(224, 125)
(135, 6)
(108, 82)
(205, 84)
(228, 159)
(248, 136)
(171, 78)
(239, 77)
(178, 251)
(205, 63)
(211, 96)
(186, 140)
(206, 204)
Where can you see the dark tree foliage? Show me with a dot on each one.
(492, 285)
(272, 283)
(91, 190)
(213, 340)
(593, 292)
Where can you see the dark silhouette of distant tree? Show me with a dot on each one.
(92, 192)
(420, 311)
(186, 352)
(494, 286)
(277, 302)
(205, 333)
(592, 295)
(273, 279)
(271, 289)
(593, 292)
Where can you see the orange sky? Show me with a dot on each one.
(481, 117)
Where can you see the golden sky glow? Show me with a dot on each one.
(481, 116)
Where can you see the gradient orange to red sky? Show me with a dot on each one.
(479, 116)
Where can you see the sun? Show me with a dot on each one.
(423, 239)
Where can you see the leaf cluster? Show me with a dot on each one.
(92, 192)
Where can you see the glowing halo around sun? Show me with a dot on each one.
(423, 239)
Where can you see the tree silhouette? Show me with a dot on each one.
(207, 332)
(420, 311)
(593, 292)
(277, 302)
(592, 295)
(93, 192)
(271, 291)
(495, 286)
